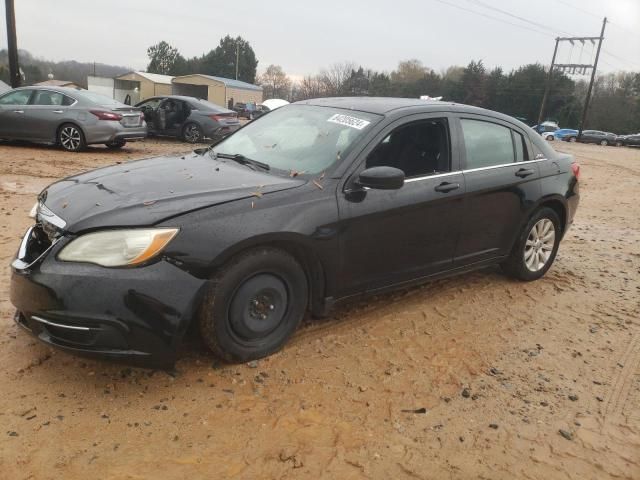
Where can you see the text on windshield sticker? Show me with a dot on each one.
(348, 121)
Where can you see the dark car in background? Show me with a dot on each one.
(315, 203)
(593, 136)
(188, 118)
(249, 110)
(628, 140)
(68, 117)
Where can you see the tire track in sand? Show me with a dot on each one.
(620, 394)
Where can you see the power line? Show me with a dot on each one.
(518, 17)
(504, 12)
(493, 18)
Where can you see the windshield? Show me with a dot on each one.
(299, 138)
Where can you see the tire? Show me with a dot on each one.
(573, 139)
(254, 304)
(619, 144)
(604, 143)
(550, 138)
(116, 145)
(71, 138)
(192, 133)
(530, 261)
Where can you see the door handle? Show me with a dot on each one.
(447, 187)
(58, 111)
(18, 111)
(525, 172)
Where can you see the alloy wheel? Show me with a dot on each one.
(539, 245)
(192, 133)
(70, 138)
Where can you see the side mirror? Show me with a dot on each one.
(381, 178)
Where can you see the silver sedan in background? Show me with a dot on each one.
(68, 117)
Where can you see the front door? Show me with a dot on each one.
(13, 106)
(45, 113)
(392, 236)
(502, 180)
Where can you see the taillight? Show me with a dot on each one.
(104, 115)
(575, 168)
(226, 116)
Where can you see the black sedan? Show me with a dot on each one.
(188, 118)
(315, 203)
(628, 140)
(594, 136)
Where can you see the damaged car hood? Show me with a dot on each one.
(145, 192)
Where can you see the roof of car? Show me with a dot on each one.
(379, 105)
(386, 105)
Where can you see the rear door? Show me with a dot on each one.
(45, 113)
(502, 181)
(13, 106)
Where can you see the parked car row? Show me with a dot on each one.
(75, 118)
(588, 136)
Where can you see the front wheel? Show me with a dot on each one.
(572, 139)
(536, 247)
(192, 133)
(71, 138)
(254, 304)
(604, 143)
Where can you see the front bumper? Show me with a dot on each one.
(136, 314)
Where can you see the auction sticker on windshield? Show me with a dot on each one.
(349, 121)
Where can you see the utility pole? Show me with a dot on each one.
(593, 76)
(548, 86)
(572, 68)
(12, 45)
(237, 57)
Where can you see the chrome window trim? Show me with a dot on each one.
(59, 325)
(427, 177)
(526, 162)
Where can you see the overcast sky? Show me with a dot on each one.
(304, 36)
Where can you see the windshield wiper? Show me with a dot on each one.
(243, 160)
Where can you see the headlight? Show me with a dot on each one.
(118, 248)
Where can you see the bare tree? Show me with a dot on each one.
(275, 83)
(334, 78)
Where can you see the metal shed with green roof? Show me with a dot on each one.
(222, 91)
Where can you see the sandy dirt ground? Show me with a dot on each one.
(477, 376)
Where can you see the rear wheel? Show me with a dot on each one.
(572, 139)
(619, 144)
(71, 138)
(192, 133)
(536, 247)
(254, 305)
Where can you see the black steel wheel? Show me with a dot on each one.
(254, 304)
